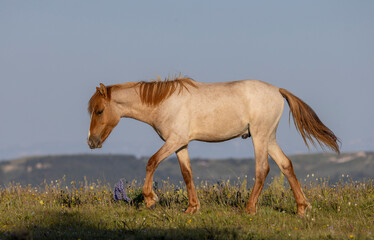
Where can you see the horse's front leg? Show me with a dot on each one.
(184, 162)
(166, 150)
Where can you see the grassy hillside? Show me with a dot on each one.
(87, 211)
(111, 168)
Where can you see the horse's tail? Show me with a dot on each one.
(308, 123)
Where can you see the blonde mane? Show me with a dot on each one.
(156, 91)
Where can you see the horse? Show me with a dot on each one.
(181, 110)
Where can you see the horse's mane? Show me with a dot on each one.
(156, 91)
(151, 93)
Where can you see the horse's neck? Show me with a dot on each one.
(130, 105)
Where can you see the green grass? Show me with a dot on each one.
(87, 211)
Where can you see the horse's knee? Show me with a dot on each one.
(287, 168)
(262, 170)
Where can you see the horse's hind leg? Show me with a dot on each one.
(262, 170)
(285, 166)
(184, 162)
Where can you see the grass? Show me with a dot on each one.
(58, 210)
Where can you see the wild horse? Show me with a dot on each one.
(182, 110)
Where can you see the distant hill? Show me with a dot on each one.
(111, 168)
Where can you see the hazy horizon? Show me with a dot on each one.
(53, 54)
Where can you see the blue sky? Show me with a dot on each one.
(54, 53)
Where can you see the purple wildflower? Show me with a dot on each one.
(119, 192)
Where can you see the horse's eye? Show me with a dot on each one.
(99, 112)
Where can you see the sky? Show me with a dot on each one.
(53, 54)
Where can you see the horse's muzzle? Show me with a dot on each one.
(94, 142)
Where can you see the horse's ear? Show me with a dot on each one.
(102, 90)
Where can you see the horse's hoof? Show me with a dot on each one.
(153, 206)
(303, 210)
(251, 210)
(192, 210)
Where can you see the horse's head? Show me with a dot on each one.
(104, 116)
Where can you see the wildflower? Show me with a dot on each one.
(91, 187)
(351, 236)
(41, 202)
(119, 192)
(189, 221)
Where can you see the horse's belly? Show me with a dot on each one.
(218, 129)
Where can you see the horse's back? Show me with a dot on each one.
(243, 96)
(220, 111)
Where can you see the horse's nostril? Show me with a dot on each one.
(92, 142)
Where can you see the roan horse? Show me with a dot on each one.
(182, 110)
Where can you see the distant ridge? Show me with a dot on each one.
(110, 168)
